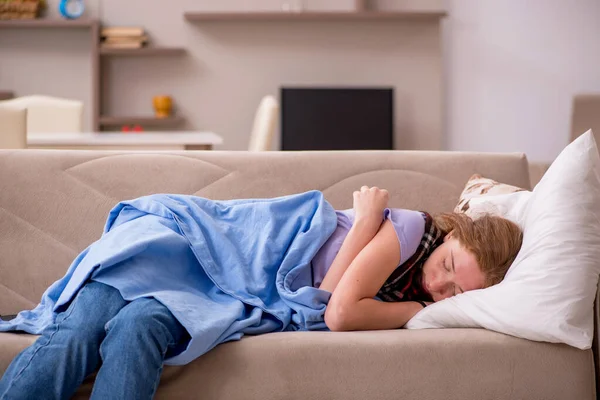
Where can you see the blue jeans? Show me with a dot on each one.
(127, 340)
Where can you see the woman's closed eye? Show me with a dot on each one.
(449, 268)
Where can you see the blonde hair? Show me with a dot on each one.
(494, 241)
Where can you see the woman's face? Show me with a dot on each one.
(451, 270)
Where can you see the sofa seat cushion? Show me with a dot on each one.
(403, 364)
(11, 344)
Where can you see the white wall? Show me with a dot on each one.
(512, 69)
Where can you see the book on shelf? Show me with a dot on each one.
(123, 45)
(122, 31)
(140, 39)
(124, 42)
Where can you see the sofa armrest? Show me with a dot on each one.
(596, 341)
(536, 171)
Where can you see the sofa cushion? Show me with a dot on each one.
(467, 364)
(477, 187)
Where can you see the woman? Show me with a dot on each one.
(445, 256)
(367, 272)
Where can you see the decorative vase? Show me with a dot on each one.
(162, 106)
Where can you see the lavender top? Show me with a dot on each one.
(409, 226)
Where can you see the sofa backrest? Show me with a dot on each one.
(54, 203)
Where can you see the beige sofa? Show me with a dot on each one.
(54, 203)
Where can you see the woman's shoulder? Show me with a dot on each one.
(406, 213)
(409, 226)
(409, 219)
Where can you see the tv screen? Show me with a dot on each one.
(337, 118)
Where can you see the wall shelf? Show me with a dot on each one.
(97, 54)
(314, 16)
(145, 121)
(48, 23)
(144, 51)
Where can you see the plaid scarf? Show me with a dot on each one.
(405, 283)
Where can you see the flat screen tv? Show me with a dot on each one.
(337, 118)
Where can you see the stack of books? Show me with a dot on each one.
(123, 37)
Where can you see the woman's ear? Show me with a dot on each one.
(448, 236)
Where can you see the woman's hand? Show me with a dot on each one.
(369, 204)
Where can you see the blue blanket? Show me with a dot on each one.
(223, 268)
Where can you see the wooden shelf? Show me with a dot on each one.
(124, 139)
(48, 23)
(144, 51)
(314, 16)
(145, 121)
(97, 52)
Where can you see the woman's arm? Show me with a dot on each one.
(352, 306)
(358, 237)
(369, 204)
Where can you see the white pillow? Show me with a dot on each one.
(548, 293)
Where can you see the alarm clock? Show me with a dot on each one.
(71, 9)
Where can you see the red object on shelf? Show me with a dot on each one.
(138, 128)
(125, 128)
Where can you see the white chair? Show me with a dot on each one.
(13, 127)
(50, 114)
(265, 122)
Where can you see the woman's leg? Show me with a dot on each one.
(134, 349)
(67, 351)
